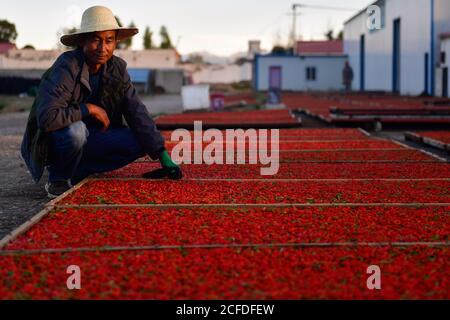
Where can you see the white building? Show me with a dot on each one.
(403, 55)
(317, 67)
(157, 68)
(26, 59)
(237, 69)
(150, 59)
(43, 59)
(228, 73)
(442, 83)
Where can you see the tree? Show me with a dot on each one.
(128, 42)
(148, 44)
(29, 46)
(62, 32)
(166, 43)
(279, 50)
(341, 35)
(329, 35)
(241, 61)
(118, 21)
(195, 59)
(8, 32)
(120, 45)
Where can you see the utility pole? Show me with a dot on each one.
(294, 18)
(294, 26)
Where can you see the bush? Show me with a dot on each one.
(243, 85)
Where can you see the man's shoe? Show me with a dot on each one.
(57, 188)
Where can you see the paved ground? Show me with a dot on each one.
(399, 136)
(20, 197)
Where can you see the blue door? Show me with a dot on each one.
(426, 71)
(445, 82)
(362, 63)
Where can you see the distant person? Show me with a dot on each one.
(347, 77)
(75, 127)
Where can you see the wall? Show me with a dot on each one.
(445, 47)
(415, 41)
(442, 22)
(328, 72)
(170, 80)
(43, 59)
(231, 73)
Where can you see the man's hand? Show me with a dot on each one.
(99, 114)
(169, 169)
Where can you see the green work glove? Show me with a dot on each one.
(169, 169)
(166, 161)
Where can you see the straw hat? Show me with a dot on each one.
(94, 19)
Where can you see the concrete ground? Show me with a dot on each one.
(163, 104)
(20, 197)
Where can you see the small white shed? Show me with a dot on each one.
(195, 97)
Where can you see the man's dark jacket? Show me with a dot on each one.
(61, 99)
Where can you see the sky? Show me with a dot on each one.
(221, 27)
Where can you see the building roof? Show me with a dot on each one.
(6, 46)
(360, 12)
(320, 47)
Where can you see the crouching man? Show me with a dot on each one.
(76, 126)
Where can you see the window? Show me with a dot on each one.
(443, 57)
(311, 73)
